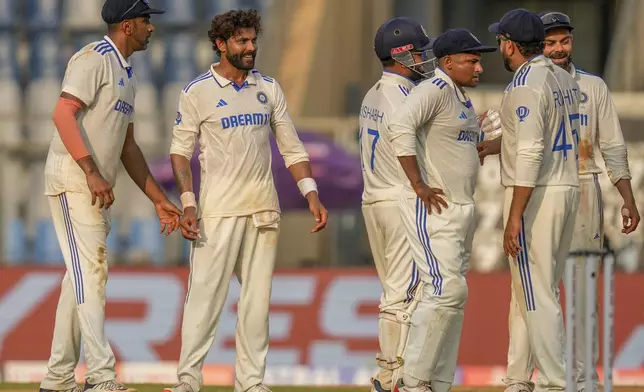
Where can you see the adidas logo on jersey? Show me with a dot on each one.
(221, 103)
(463, 116)
(121, 83)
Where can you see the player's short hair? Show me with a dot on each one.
(388, 62)
(529, 49)
(226, 25)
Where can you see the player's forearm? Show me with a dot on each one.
(625, 189)
(182, 173)
(138, 170)
(616, 161)
(301, 170)
(411, 169)
(64, 117)
(520, 197)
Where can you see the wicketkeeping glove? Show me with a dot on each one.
(490, 124)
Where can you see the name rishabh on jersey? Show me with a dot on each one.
(382, 174)
(233, 124)
(541, 120)
(103, 80)
(442, 121)
(600, 128)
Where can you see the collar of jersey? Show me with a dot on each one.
(573, 70)
(460, 95)
(223, 82)
(119, 56)
(535, 60)
(398, 78)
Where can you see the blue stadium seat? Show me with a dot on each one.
(178, 13)
(147, 113)
(83, 14)
(46, 69)
(145, 241)
(46, 249)
(81, 40)
(12, 189)
(43, 14)
(8, 14)
(14, 241)
(10, 90)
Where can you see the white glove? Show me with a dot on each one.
(490, 124)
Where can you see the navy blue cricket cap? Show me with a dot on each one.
(520, 25)
(553, 20)
(398, 35)
(455, 41)
(115, 11)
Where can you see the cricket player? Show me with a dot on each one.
(540, 121)
(434, 135)
(232, 109)
(404, 49)
(599, 130)
(94, 117)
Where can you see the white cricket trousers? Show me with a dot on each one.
(398, 276)
(228, 245)
(82, 231)
(441, 245)
(537, 334)
(588, 235)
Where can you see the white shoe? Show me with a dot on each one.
(108, 386)
(180, 387)
(422, 387)
(259, 388)
(518, 387)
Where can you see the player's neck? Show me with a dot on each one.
(231, 73)
(121, 45)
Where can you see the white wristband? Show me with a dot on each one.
(307, 185)
(188, 200)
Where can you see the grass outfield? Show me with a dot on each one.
(159, 388)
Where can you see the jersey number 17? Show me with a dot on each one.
(376, 137)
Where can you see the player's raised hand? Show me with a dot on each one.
(188, 224)
(630, 218)
(169, 215)
(432, 197)
(100, 189)
(511, 246)
(319, 212)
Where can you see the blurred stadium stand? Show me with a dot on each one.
(321, 53)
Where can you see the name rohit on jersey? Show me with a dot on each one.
(563, 97)
(371, 114)
(123, 107)
(245, 119)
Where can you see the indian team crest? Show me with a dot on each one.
(262, 98)
(584, 97)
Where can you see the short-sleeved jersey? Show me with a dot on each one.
(382, 174)
(540, 121)
(103, 80)
(442, 119)
(600, 128)
(233, 124)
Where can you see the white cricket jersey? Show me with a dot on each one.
(233, 124)
(103, 80)
(540, 122)
(382, 174)
(439, 119)
(600, 128)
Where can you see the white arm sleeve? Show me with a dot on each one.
(418, 108)
(288, 142)
(186, 128)
(530, 112)
(84, 76)
(611, 139)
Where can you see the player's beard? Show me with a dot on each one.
(562, 55)
(237, 60)
(506, 63)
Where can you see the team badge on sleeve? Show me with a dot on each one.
(522, 113)
(178, 120)
(262, 98)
